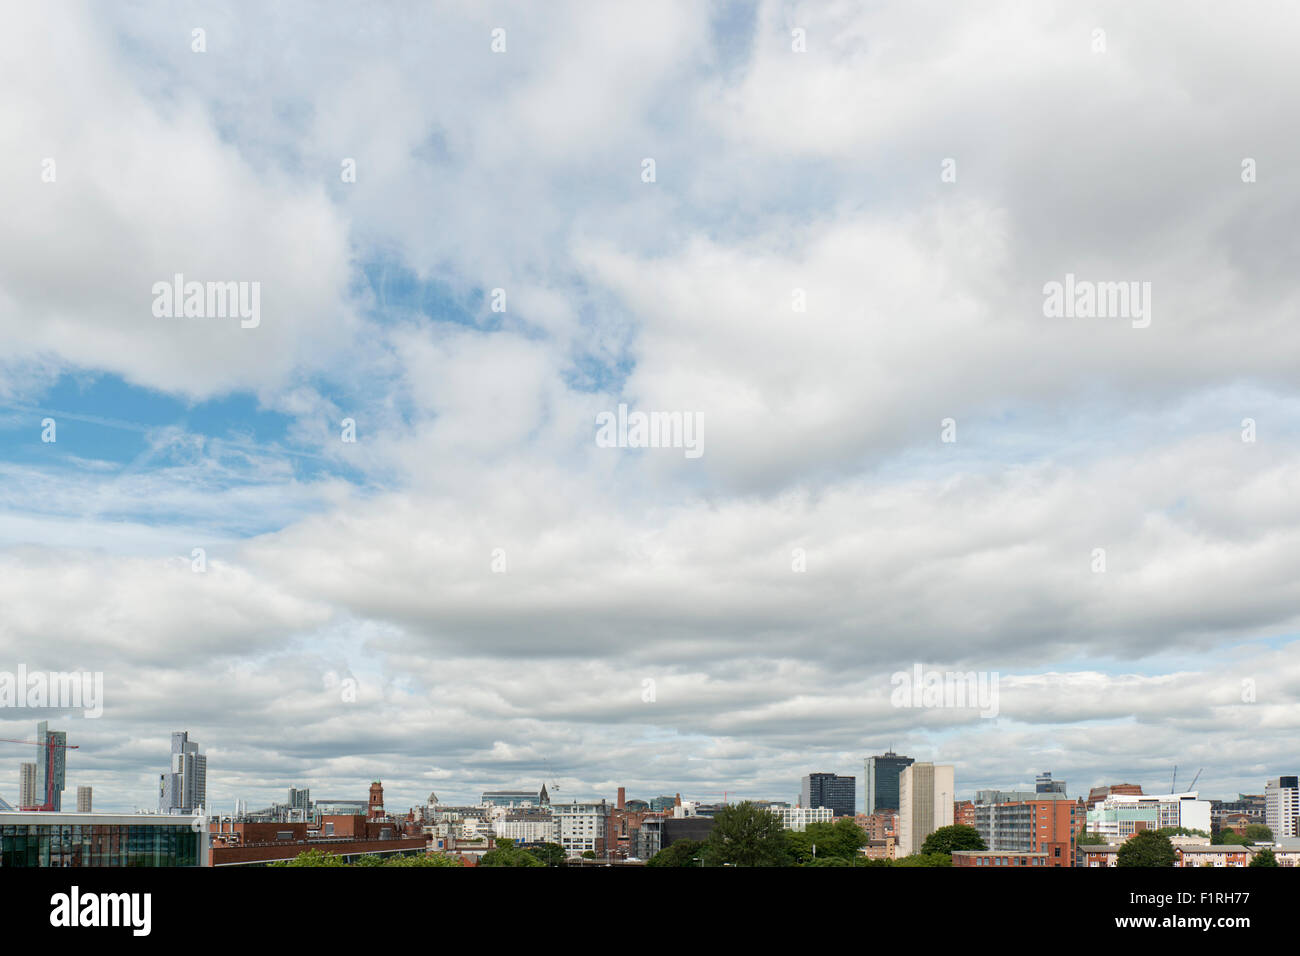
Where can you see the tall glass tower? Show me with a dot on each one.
(882, 780)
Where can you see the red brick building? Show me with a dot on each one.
(998, 859)
(242, 844)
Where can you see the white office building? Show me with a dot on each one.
(798, 818)
(925, 803)
(1282, 807)
(1121, 815)
(580, 827)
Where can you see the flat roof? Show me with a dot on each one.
(40, 817)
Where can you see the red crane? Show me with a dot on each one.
(50, 746)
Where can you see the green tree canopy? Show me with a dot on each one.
(681, 853)
(1258, 833)
(956, 837)
(313, 858)
(1146, 848)
(1264, 857)
(551, 854)
(841, 839)
(924, 859)
(746, 835)
(424, 859)
(507, 854)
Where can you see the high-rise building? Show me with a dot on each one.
(1045, 784)
(299, 799)
(51, 764)
(1028, 823)
(881, 792)
(27, 786)
(84, 800)
(1282, 807)
(925, 792)
(184, 788)
(830, 790)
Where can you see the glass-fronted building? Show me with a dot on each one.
(100, 839)
(881, 791)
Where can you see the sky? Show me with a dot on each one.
(836, 264)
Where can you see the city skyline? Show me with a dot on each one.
(658, 395)
(706, 792)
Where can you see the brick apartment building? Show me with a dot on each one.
(1026, 823)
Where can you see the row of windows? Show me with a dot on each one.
(98, 845)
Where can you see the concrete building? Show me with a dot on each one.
(1045, 784)
(84, 799)
(925, 797)
(184, 788)
(830, 790)
(1030, 823)
(881, 787)
(798, 818)
(580, 827)
(1282, 807)
(27, 786)
(528, 824)
(1098, 794)
(1119, 815)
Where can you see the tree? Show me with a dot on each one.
(1146, 848)
(958, 837)
(1229, 838)
(1258, 833)
(370, 859)
(424, 859)
(551, 854)
(1264, 857)
(507, 854)
(1084, 838)
(313, 858)
(841, 839)
(924, 859)
(746, 835)
(681, 853)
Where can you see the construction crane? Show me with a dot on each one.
(51, 745)
(1192, 786)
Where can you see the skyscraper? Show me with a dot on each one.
(83, 800)
(1282, 807)
(925, 793)
(830, 790)
(882, 781)
(27, 786)
(51, 764)
(184, 788)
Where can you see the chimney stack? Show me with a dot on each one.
(622, 796)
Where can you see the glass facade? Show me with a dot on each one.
(98, 845)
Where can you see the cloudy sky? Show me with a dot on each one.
(839, 263)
